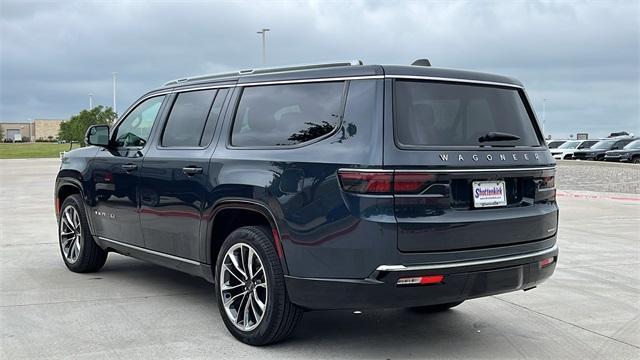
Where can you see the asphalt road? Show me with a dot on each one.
(590, 308)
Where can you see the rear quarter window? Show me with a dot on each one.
(447, 114)
(286, 115)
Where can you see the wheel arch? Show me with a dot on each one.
(227, 212)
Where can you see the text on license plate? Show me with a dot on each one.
(489, 193)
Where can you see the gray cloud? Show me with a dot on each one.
(584, 56)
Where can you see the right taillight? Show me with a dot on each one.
(385, 182)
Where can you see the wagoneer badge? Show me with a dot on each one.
(491, 157)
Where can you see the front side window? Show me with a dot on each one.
(284, 115)
(604, 144)
(446, 114)
(569, 145)
(187, 118)
(635, 144)
(134, 130)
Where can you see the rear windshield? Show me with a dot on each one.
(444, 114)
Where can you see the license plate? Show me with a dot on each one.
(489, 194)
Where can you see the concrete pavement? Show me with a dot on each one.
(590, 308)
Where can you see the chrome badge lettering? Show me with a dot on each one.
(490, 157)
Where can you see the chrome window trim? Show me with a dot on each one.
(148, 251)
(312, 80)
(449, 170)
(466, 263)
(458, 80)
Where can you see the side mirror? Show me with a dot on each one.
(97, 135)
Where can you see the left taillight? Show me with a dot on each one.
(384, 182)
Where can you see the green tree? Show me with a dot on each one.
(76, 127)
(1, 134)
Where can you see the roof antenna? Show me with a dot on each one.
(421, 62)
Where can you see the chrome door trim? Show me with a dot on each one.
(148, 251)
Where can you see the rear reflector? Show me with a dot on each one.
(421, 280)
(546, 262)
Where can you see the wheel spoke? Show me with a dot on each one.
(257, 300)
(246, 311)
(69, 220)
(234, 260)
(226, 287)
(233, 298)
(257, 272)
(250, 263)
(232, 272)
(262, 285)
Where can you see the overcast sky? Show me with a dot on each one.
(583, 56)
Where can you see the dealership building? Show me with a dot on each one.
(39, 129)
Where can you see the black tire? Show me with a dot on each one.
(435, 308)
(636, 160)
(280, 316)
(90, 257)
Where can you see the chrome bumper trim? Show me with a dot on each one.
(466, 263)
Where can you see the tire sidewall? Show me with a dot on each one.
(275, 295)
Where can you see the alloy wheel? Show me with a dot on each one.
(70, 234)
(243, 287)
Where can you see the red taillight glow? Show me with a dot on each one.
(384, 182)
(421, 280)
(547, 262)
(411, 182)
(364, 182)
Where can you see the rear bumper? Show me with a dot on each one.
(462, 280)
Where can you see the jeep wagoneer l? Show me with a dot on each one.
(333, 186)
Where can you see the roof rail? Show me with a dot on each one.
(262, 71)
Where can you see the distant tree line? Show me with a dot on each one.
(75, 129)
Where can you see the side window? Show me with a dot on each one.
(134, 130)
(214, 114)
(187, 118)
(281, 115)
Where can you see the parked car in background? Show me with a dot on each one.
(552, 144)
(629, 153)
(598, 151)
(566, 150)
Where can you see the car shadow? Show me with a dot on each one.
(393, 333)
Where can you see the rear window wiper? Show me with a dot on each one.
(498, 136)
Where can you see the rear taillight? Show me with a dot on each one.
(366, 182)
(384, 182)
(546, 262)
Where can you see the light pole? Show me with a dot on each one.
(544, 113)
(264, 45)
(115, 110)
(90, 101)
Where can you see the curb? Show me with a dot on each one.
(589, 195)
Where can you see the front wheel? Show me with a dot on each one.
(79, 252)
(252, 298)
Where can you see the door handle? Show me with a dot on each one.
(192, 170)
(129, 167)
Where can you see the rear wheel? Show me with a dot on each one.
(435, 308)
(252, 298)
(636, 160)
(79, 252)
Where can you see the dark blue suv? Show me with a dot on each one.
(334, 186)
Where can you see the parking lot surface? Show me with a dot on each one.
(589, 309)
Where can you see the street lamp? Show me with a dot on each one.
(114, 74)
(264, 45)
(544, 113)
